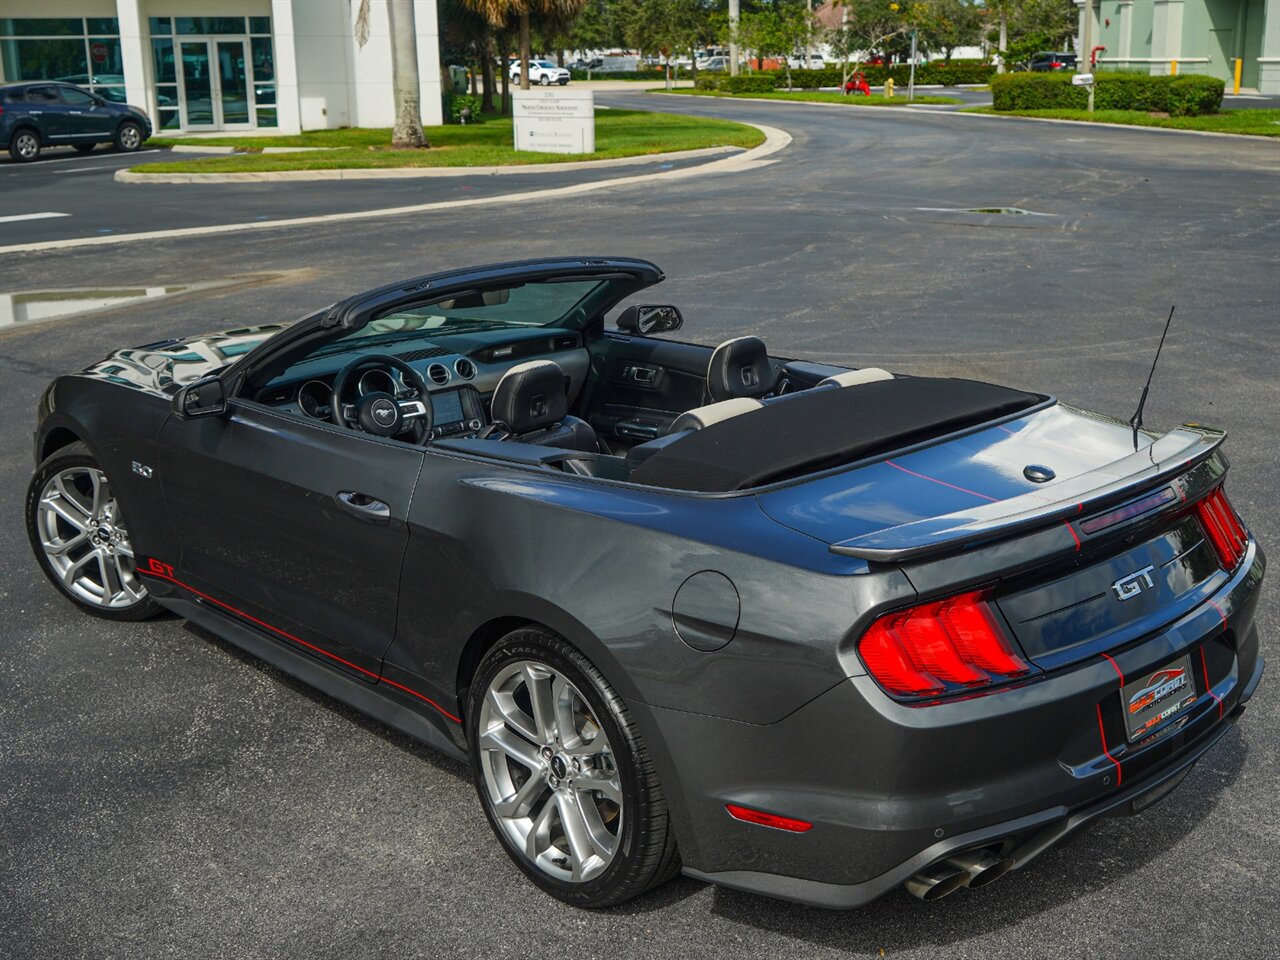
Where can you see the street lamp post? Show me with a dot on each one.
(733, 38)
(1086, 44)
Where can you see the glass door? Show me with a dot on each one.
(197, 85)
(215, 84)
(233, 83)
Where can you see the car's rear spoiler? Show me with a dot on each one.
(1176, 452)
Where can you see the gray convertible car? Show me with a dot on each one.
(792, 628)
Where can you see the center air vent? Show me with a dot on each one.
(438, 373)
(464, 368)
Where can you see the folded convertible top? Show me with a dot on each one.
(817, 429)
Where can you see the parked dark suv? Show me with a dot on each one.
(1049, 62)
(44, 113)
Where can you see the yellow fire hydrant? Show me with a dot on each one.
(888, 87)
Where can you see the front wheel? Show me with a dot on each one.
(563, 776)
(545, 80)
(129, 137)
(80, 539)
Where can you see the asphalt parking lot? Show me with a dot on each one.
(164, 795)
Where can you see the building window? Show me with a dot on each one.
(70, 49)
(201, 25)
(166, 79)
(264, 81)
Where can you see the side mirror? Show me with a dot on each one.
(648, 320)
(204, 398)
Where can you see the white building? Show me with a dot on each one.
(199, 65)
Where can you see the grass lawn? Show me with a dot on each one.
(1263, 123)
(820, 96)
(619, 133)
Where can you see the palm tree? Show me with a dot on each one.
(408, 133)
(500, 13)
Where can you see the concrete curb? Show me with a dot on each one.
(1117, 126)
(743, 161)
(398, 173)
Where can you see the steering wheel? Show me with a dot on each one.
(379, 412)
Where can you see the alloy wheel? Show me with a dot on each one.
(85, 541)
(549, 772)
(27, 145)
(130, 137)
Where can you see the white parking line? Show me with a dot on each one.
(47, 215)
(102, 156)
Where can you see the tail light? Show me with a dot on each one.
(1225, 531)
(940, 647)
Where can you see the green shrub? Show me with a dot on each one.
(708, 81)
(650, 73)
(1179, 96)
(752, 83)
(1194, 95)
(455, 103)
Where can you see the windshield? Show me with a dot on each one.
(537, 304)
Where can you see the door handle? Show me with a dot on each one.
(363, 507)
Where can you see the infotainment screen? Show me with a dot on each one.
(446, 407)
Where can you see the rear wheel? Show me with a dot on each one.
(85, 147)
(24, 146)
(80, 538)
(563, 775)
(128, 137)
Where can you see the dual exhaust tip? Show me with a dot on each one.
(973, 868)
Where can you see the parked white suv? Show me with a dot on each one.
(540, 71)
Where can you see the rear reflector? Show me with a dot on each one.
(940, 647)
(1223, 528)
(747, 815)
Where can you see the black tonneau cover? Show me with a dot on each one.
(817, 429)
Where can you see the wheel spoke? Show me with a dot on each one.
(72, 573)
(504, 704)
(539, 838)
(545, 700)
(72, 497)
(601, 838)
(514, 746)
(101, 493)
(575, 832)
(521, 802)
(111, 585)
(128, 582)
(68, 509)
(605, 784)
(60, 548)
(564, 695)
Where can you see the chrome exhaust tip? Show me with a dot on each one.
(936, 881)
(980, 866)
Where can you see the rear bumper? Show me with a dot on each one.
(891, 788)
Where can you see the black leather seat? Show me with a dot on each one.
(530, 405)
(740, 368)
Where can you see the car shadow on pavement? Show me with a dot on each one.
(402, 741)
(1091, 860)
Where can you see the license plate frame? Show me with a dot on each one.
(1158, 697)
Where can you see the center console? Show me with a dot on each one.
(456, 412)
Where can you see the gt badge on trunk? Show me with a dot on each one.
(1151, 700)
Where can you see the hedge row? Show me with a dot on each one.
(928, 73)
(743, 83)
(1185, 96)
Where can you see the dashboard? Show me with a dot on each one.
(461, 372)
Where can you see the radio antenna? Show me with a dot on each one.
(1136, 420)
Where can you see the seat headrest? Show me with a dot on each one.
(530, 396)
(854, 378)
(740, 368)
(713, 413)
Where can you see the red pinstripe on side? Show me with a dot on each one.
(1074, 536)
(298, 640)
(1204, 670)
(944, 483)
(1116, 666)
(1103, 734)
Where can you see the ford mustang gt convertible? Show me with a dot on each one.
(787, 627)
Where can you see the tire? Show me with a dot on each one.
(80, 540)
(85, 147)
(562, 82)
(545, 80)
(625, 844)
(24, 146)
(129, 137)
